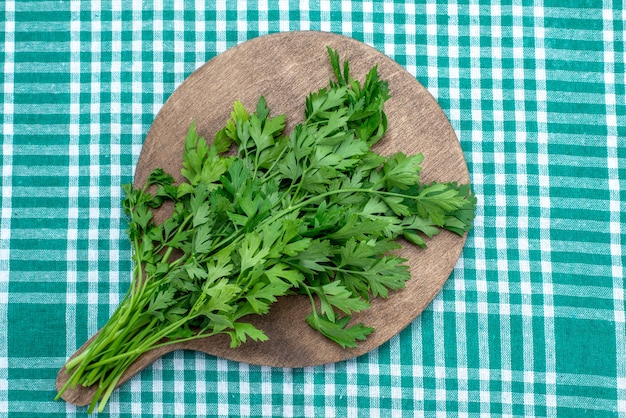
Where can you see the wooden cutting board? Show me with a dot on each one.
(285, 68)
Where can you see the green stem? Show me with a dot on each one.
(109, 391)
(124, 350)
(295, 194)
(282, 152)
(308, 292)
(232, 239)
(179, 230)
(137, 333)
(78, 365)
(72, 363)
(139, 346)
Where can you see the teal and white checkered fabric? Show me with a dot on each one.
(532, 320)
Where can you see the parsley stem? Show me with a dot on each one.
(139, 345)
(321, 196)
(298, 206)
(276, 160)
(308, 292)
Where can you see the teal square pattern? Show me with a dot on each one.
(532, 319)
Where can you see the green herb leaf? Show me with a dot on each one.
(339, 332)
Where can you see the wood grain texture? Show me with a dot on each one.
(284, 68)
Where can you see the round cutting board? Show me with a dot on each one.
(285, 68)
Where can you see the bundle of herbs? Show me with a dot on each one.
(316, 213)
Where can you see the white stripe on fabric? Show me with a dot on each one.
(243, 24)
(411, 30)
(501, 214)
(73, 173)
(545, 205)
(263, 21)
(439, 342)
(521, 150)
(220, 27)
(346, 18)
(158, 94)
(417, 364)
(244, 389)
(200, 24)
(325, 15)
(453, 67)
(179, 383)
(477, 129)
(308, 391)
(395, 373)
(115, 152)
(368, 26)
(614, 205)
(266, 391)
(222, 388)
(459, 280)
(179, 43)
(284, 23)
(94, 87)
(389, 47)
(330, 389)
(8, 71)
(305, 17)
(135, 397)
(201, 369)
(287, 391)
(432, 51)
(351, 387)
(157, 389)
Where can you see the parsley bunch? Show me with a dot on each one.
(317, 212)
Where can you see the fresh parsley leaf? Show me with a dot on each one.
(241, 331)
(339, 331)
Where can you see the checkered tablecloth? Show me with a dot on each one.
(531, 321)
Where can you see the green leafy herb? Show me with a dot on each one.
(317, 213)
